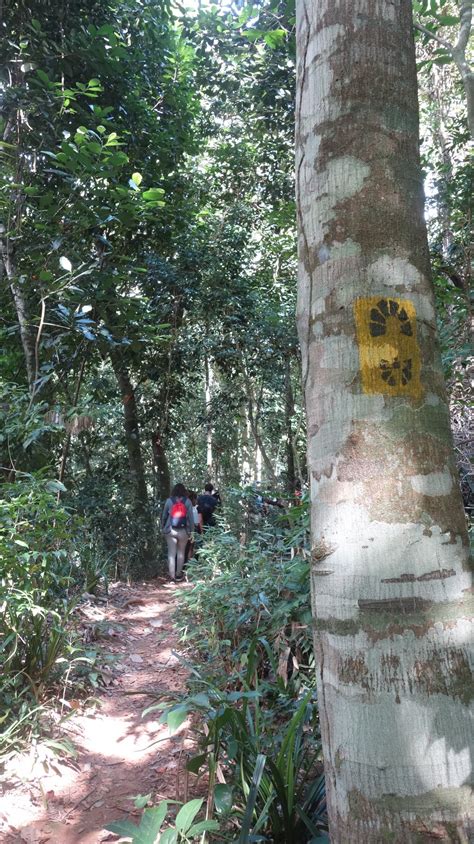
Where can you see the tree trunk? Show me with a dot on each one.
(289, 413)
(208, 399)
(137, 471)
(161, 468)
(245, 450)
(19, 300)
(390, 580)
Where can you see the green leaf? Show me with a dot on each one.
(151, 824)
(169, 836)
(153, 194)
(193, 765)
(149, 828)
(55, 486)
(187, 813)
(44, 77)
(223, 798)
(251, 799)
(137, 178)
(448, 20)
(202, 826)
(176, 717)
(141, 800)
(125, 829)
(274, 38)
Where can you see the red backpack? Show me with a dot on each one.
(178, 513)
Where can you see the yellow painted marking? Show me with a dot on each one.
(389, 354)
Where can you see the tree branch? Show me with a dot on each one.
(441, 41)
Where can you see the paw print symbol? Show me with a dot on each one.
(389, 354)
(394, 373)
(388, 309)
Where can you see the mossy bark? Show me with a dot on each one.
(390, 571)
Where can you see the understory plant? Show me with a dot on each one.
(41, 578)
(247, 624)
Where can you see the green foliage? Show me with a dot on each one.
(256, 587)
(185, 828)
(35, 579)
(246, 623)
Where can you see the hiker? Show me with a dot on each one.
(197, 517)
(177, 524)
(207, 503)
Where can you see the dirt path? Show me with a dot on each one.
(47, 801)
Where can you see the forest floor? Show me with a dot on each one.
(45, 799)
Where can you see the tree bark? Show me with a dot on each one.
(137, 470)
(161, 468)
(290, 446)
(390, 578)
(208, 399)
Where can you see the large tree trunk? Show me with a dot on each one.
(390, 580)
(137, 471)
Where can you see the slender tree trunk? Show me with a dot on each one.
(68, 437)
(460, 57)
(260, 450)
(390, 579)
(21, 308)
(261, 453)
(208, 399)
(161, 468)
(289, 413)
(245, 467)
(137, 470)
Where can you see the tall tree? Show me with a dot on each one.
(390, 579)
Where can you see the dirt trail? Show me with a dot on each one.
(47, 801)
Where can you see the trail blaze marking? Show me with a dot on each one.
(388, 352)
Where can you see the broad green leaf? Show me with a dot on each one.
(223, 798)
(151, 824)
(169, 836)
(141, 800)
(193, 765)
(187, 813)
(153, 194)
(176, 717)
(126, 829)
(448, 20)
(137, 178)
(202, 826)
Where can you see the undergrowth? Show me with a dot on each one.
(42, 574)
(247, 628)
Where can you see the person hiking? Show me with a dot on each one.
(193, 541)
(177, 525)
(207, 503)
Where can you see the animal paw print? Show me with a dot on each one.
(386, 309)
(394, 373)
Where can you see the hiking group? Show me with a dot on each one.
(186, 514)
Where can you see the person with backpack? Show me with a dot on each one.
(177, 525)
(207, 503)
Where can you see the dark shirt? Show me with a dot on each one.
(206, 506)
